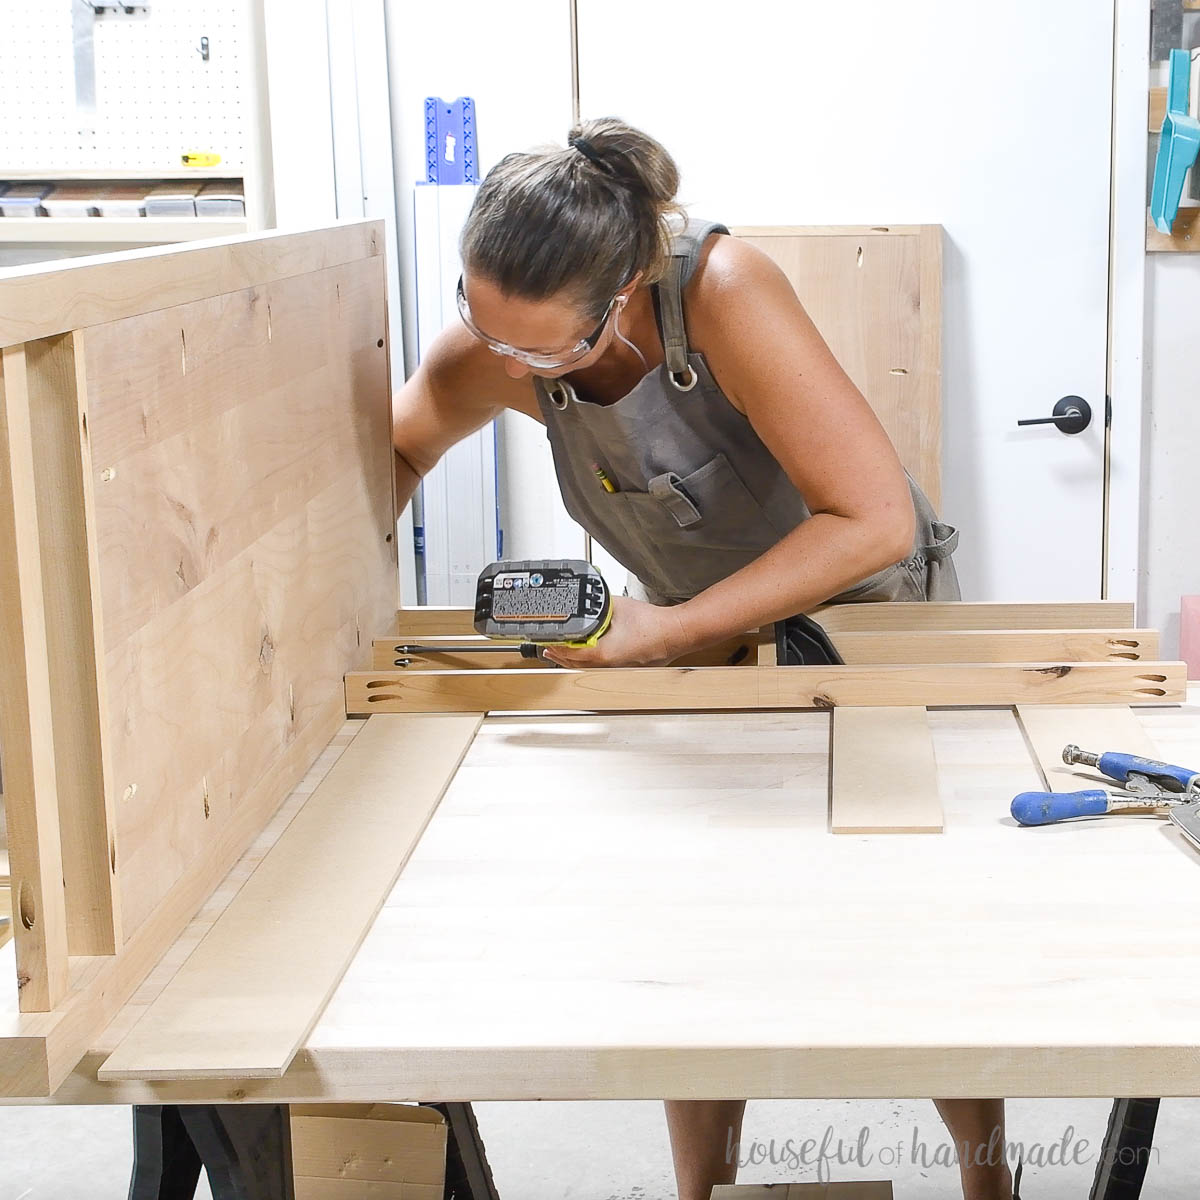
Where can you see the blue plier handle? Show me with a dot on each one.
(1150, 784)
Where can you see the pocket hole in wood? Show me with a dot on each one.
(108, 474)
(1124, 642)
(898, 371)
(1153, 678)
(112, 855)
(860, 256)
(130, 792)
(378, 683)
(381, 696)
(25, 906)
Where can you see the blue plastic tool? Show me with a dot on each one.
(1044, 808)
(1142, 775)
(1177, 147)
(1150, 785)
(450, 153)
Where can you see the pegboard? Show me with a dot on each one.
(156, 98)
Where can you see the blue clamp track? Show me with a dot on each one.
(450, 155)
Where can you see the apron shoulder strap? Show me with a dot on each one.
(667, 295)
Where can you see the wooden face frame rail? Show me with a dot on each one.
(898, 655)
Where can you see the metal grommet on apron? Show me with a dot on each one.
(557, 391)
(689, 378)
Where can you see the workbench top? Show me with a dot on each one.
(636, 906)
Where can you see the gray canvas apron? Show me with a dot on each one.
(699, 496)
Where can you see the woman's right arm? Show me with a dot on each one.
(458, 387)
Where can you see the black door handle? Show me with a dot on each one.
(1072, 414)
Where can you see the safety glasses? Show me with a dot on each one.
(533, 358)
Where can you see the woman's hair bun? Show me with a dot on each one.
(584, 218)
(629, 155)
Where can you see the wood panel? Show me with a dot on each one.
(875, 295)
(883, 774)
(26, 722)
(857, 648)
(39, 1050)
(67, 536)
(884, 617)
(245, 1000)
(238, 413)
(997, 645)
(55, 297)
(663, 688)
(427, 619)
(951, 614)
(245, 543)
(1050, 728)
(733, 898)
(462, 651)
(1184, 235)
(1157, 109)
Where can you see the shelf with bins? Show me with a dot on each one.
(142, 231)
(73, 211)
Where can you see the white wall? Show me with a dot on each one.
(514, 61)
(1170, 550)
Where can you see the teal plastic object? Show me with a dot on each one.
(1178, 146)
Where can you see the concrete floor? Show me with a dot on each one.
(619, 1150)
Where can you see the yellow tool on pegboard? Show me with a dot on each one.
(197, 159)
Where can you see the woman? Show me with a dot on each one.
(725, 459)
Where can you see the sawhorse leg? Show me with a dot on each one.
(468, 1176)
(246, 1150)
(1125, 1151)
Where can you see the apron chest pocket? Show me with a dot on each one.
(690, 531)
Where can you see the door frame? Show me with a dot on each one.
(1123, 503)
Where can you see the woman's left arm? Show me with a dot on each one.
(772, 363)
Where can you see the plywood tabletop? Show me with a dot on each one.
(633, 906)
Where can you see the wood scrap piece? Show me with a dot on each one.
(252, 990)
(957, 614)
(1051, 727)
(430, 620)
(864, 647)
(883, 774)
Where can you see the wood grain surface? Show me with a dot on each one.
(658, 910)
(674, 688)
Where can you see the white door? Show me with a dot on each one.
(993, 122)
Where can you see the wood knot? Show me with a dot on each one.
(1055, 672)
